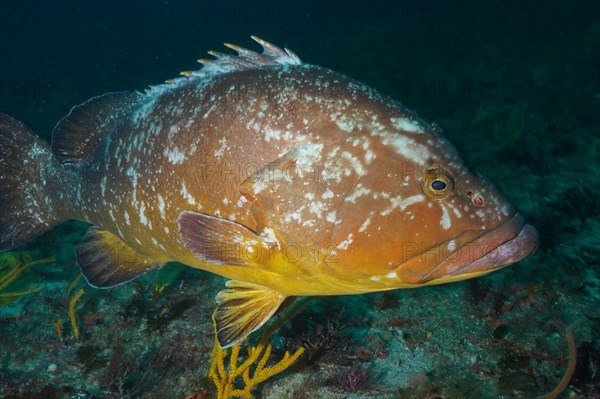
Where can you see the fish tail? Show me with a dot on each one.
(28, 172)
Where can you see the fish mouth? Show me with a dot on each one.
(471, 255)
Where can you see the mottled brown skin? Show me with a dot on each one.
(194, 147)
(287, 178)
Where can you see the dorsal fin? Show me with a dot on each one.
(226, 63)
(76, 136)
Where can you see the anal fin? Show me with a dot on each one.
(243, 308)
(106, 260)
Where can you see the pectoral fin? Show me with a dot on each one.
(243, 308)
(222, 241)
(106, 260)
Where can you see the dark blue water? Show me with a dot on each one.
(514, 85)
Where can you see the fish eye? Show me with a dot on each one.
(438, 183)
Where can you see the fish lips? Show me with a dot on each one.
(506, 244)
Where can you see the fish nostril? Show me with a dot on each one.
(476, 200)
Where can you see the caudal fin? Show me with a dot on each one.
(27, 170)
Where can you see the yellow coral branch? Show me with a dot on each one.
(9, 277)
(257, 356)
(72, 313)
(19, 293)
(213, 357)
(233, 358)
(263, 361)
(224, 379)
(268, 372)
(58, 328)
(73, 284)
(13, 274)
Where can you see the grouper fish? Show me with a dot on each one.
(287, 178)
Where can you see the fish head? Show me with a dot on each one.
(418, 216)
(376, 198)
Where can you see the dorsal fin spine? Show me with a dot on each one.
(245, 59)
